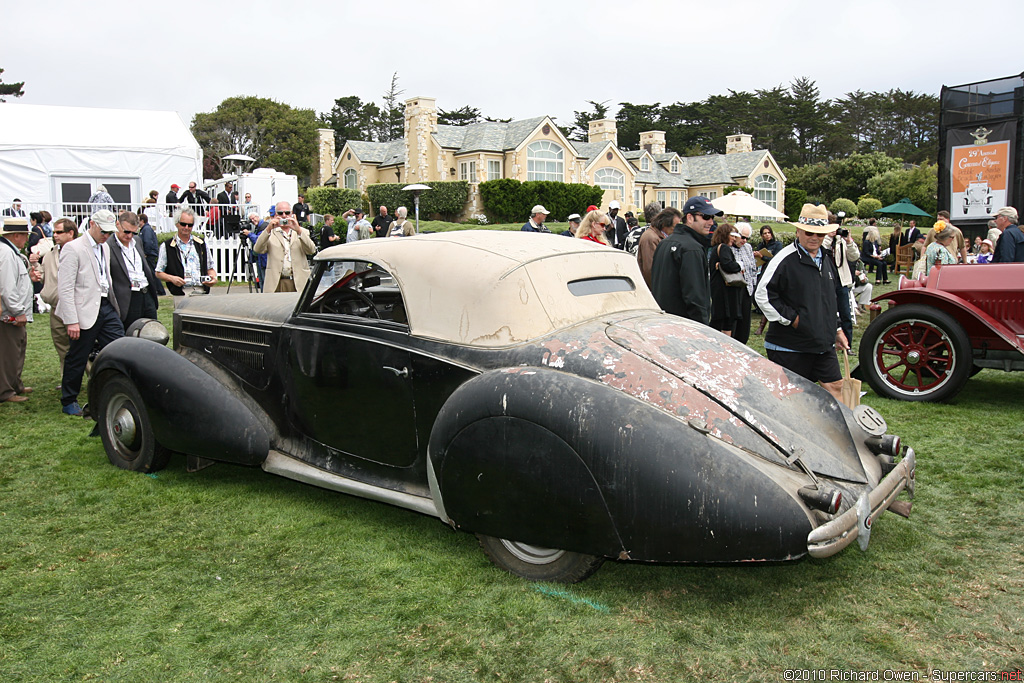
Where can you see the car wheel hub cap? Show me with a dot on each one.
(124, 427)
(532, 554)
(914, 356)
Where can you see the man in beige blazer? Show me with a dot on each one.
(64, 231)
(86, 302)
(287, 246)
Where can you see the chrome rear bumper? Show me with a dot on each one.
(828, 539)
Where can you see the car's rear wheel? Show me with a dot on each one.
(537, 563)
(916, 353)
(125, 428)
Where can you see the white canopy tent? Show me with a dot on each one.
(55, 157)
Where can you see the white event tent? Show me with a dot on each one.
(55, 157)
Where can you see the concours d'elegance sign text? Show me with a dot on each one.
(980, 167)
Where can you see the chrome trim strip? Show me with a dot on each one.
(286, 466)
(831, 537)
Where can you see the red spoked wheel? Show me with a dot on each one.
(916, 353)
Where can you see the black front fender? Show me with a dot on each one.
(191, 412)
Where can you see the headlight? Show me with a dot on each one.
(147, 328)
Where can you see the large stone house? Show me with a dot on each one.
(535, 149)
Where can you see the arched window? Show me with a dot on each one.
(350, 179)
(611, 179)
(675, 165)
(645, 164)
(766, 188)
(545, 160)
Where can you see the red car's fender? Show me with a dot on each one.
(978, 324)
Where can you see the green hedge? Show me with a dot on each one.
(508, 200)
(332, 200)
(845, 205)
(795, 200)
(446, 198)
(867, 207)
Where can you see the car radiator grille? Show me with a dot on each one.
(226, 333)
(253, 360)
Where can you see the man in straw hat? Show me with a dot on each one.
(15, 308)
(799, 295)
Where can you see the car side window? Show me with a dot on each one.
(355, 288)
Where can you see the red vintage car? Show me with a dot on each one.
(943, 329)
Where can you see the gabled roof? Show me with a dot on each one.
(381, 153)
(486, 136)
(743, 163)
(590, 150)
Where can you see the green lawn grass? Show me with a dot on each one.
(230, 574)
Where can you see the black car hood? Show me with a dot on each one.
(793, 417)
(260, 308)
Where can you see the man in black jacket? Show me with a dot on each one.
(679, 272)
(799, 295)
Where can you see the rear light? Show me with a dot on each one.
(888, 444)
(826, 500)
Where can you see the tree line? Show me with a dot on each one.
(794, 123)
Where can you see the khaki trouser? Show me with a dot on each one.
(61, 341)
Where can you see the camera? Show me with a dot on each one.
(844, 232)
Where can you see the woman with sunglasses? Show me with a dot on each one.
(592, 227)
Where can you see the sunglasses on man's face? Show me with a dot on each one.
(130, 232)
(187, 225)
(284, 213)
(707, 217)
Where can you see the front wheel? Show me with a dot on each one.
(535, 563)
(916, 353)
(125, 428)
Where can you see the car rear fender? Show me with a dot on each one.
(976, 323)
(548, 458)
(191, 412)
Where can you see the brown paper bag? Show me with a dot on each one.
(851, 387)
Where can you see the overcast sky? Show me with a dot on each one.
(509, 59)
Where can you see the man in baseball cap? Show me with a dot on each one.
(172, 199)
(538, 215)
(616, 230)
(86, 302)
(679, 273)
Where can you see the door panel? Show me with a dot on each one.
(343, 394)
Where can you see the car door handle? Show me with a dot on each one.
(404, 372)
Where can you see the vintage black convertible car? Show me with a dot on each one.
(522, 387)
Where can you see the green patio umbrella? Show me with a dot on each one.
(905, 208)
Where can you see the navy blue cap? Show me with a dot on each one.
(701, 205)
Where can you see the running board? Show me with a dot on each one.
(286, 466)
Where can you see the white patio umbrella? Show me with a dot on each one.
(739, 203)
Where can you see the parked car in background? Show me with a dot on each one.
(522, 387)
(943, 329)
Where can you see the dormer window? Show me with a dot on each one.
(675, 165)
(645, 163)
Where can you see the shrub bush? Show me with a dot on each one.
(508, 200)
(867, 206)
(732, 188)
(332, 200)
(795, 199)
(844, 205)
(446, 198)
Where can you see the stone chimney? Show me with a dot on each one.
(603, 130)
(420, 123)
(653, 141)
(740, 142)
(325, 156)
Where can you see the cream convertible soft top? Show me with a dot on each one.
(497, 288)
